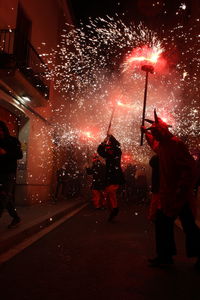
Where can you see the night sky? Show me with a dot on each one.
(151, 12)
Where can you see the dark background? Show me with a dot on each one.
(152, 12)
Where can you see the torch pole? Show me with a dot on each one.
(144, 106)
(88, 155)
(111, 118)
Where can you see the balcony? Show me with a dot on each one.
(22, 68)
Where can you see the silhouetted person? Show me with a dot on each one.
(10, 152)
(177, 179)
(110, 150)
(98, 172)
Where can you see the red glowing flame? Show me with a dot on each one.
(143, 55)
(127, 158)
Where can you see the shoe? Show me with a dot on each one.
(14, 223)
(113, 214)
(160, 261)
(197, 264)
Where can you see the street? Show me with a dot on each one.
(89, 258)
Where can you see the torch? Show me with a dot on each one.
(148, 69)
(111, 118)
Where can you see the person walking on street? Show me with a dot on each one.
(176, 190)
(110, 150)
(10, 152)
(97, 170)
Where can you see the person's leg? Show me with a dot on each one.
(112, 196)
(112, 193)
(96, 195)
(8, 186)
(192, 232)
(164, 236)
(104, 198)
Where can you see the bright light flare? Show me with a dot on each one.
(168, 119)
(87, 134)
(183, 6)
(125, 105)
(143, 54)
(127, 159)
(185, 74)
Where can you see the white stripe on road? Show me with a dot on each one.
(29, 241)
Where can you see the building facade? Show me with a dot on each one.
(28, 29)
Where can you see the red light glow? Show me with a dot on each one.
(86, 136)
(144, 55)
(127, 159)
(125, 105)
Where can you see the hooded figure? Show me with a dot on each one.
(10, 152)
(176, 175)
(110, 150)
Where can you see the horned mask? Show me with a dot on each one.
(159, 124)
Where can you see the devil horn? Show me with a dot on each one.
(149, 121)
(155, 116)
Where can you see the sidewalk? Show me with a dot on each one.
(34, 219)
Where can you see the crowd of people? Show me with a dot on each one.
(174, 185)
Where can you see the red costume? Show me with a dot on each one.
(177, 172)
(176, 193)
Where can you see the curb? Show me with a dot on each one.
(11, 241)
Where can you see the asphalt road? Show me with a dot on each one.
(89, 258)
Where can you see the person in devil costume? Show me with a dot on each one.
(110, 150)
(176, 190)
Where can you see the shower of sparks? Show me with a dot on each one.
(90, 69)
(143, 55)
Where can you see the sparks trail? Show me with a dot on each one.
(91, 60)
(89, 55)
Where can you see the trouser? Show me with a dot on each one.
(7, 184)
(164, 235)
(98, 198)
(164, 232)
(192, 232)
(111, 191)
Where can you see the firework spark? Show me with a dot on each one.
(90, 69)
